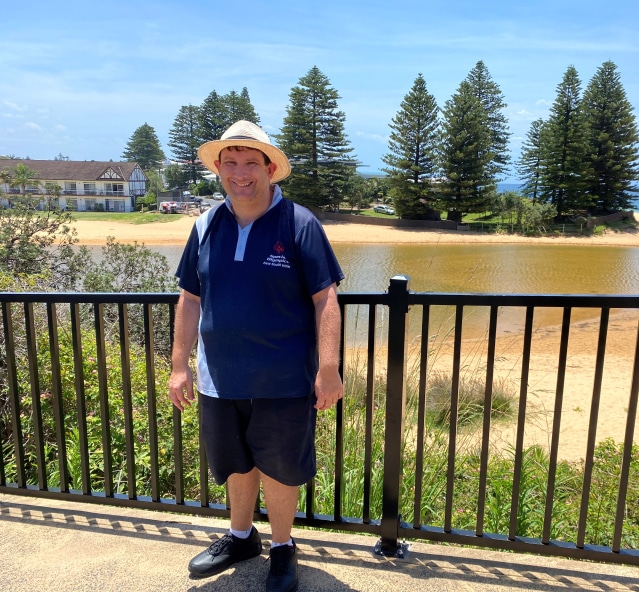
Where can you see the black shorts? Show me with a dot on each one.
(275, 435)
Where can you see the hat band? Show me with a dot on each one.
(243, 138)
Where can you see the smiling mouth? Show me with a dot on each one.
(242, 184)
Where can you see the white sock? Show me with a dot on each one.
(241, 534)
(289, 543)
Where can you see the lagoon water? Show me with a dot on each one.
(483, 268)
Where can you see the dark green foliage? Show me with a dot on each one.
(185, 140)
(613, 142)
(492, 101)
(466, 155)
(217, 113)
(141, 390)
(22, 175)
(412, 154)
(176, 176)
(313, 138)
(35, 245)
(530, 161)
(565, 150)
(143, 147)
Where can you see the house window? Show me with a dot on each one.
(70, 188)
(114, 188)
(72, 204)
(89, 189)
(89, 204)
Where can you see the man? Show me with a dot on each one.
(258, 292)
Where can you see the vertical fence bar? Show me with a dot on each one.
(488, 409)
(204, 468)
(339, 441)
(56, 394)
(421, 418)
(151, 401)
(521, 423)
(454, 413)
(14, 394)
(80, 398)
(127, 399)
(178, 456)
(592, 428)
(627, 453)
(34, 382)
(103, 392)
(395, 406)
(556, 425)
(370, 413)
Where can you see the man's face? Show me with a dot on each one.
(244, 175)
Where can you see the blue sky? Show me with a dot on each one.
(78, 78)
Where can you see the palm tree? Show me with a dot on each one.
(5, 177)
(23, 176)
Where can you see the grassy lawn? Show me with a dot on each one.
(127, 217)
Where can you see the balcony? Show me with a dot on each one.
(73, 359)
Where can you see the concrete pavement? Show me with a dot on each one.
(48, 545)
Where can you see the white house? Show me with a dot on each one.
(86, 185)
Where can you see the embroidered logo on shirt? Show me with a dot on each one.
(278, 260)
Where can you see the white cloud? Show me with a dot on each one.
(33, 126)
(15, 106)
(373, 137)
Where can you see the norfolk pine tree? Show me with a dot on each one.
(613, 141)
(530, 161)
(565, 149)
(217, 113)
(185, 140)
(313, 138)
(412, 154)
(492, 101)
(143, 147)
(465, 155)
(213, 118)
(240, 107)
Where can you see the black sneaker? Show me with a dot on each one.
(225, 552)
(282, 576)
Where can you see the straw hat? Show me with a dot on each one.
(245, 133)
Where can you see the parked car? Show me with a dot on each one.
(204, 206)
(218, 196)
(384, 210)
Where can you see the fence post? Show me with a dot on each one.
(395, 406)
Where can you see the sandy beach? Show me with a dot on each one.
(542, 380)
(176, 231)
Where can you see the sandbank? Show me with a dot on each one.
(176, 232)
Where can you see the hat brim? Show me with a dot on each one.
(210, 152)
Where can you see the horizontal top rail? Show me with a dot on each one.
(537, 300)
(414, 298)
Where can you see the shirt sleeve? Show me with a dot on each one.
(318, 262)
(188, 278)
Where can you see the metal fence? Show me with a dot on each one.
(83, 417)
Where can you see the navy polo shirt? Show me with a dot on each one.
(257, 334)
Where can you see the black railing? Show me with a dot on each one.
(83, 415)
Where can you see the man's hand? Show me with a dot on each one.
(328, 389)
(181, 388)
